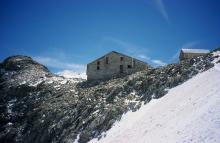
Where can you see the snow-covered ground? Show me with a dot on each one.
(189, 113)
(72, 74)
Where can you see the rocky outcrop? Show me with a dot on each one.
(38, 106)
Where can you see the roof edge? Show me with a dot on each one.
(118, 54)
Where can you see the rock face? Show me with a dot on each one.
(38, 106)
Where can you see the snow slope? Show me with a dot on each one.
(188, 113)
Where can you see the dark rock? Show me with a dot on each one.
(38, 106)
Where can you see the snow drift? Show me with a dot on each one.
(188, 113)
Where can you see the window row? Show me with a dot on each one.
(107, 60)
(129, 67)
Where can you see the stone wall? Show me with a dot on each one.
(184, 56)
(109, 66)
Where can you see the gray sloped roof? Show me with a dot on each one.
(204, 51)
(118, 54)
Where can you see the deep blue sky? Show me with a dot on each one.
(67, 34)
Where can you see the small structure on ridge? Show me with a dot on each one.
(192, 53)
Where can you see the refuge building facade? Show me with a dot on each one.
(192, 53)
(113, 64)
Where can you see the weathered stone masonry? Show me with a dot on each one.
(113, 64)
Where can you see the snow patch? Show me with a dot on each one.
(36, 83)
(77, 139)
(23, 82)
(217, 53)
(72, 74)
(10, 105)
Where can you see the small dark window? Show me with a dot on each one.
(121, 58)
(129, 66)
(98, 63)
(121, 68)
(98, 68)
(106, 60)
